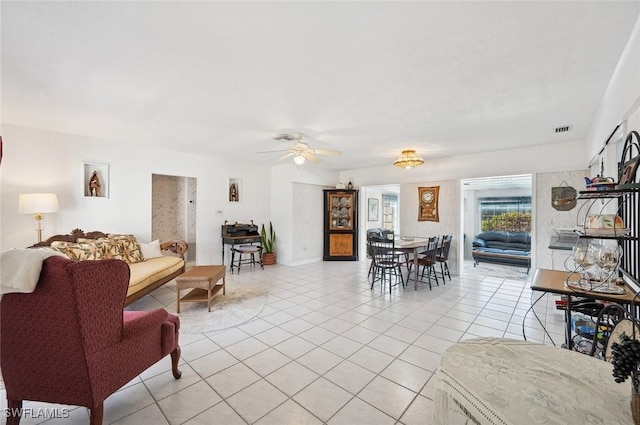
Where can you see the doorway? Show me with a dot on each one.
(380, 208)
(173, 200)
(485, 200)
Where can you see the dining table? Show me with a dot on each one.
(412, 245)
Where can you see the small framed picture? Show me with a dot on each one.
(373, 207)
(234, 190)
(96, 180)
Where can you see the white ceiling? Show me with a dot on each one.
(366, 78)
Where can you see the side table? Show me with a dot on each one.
(202, 280)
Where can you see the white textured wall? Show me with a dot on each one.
(371, 193)
(167, 211)
(556, 157)
(308, 223)
(283, 178)
(547, 218)
(41, 161)
(543, 158)
(449, 214)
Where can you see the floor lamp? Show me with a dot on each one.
(38, 204)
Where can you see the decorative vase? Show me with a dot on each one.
(635, 405)
(268, 258)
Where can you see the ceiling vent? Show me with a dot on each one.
(562, 129)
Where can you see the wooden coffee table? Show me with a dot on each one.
(202, 280)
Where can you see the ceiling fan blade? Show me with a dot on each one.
(327, 152)
(310, 156)
(282, 158)
(280, 150)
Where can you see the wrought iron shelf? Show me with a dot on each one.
(612, 237)
(618, 192)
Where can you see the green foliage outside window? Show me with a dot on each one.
(508, 222)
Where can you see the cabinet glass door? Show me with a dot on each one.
(341, 207)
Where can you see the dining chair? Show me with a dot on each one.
(372, 233)
(428, 260)
(385, 261)
(442, 256)
(403, 256)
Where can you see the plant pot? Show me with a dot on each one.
(268, 258)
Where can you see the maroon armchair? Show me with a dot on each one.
(70, 342)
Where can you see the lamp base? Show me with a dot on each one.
(39, 217)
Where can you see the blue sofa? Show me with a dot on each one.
(509, 248)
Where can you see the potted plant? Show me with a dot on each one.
(268, 242)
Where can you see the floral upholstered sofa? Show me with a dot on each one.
(150, 265)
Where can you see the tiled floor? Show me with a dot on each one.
(325, 349)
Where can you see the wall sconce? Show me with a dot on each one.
(38, 204)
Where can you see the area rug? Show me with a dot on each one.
(237, 306)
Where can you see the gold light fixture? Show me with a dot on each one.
(38, 204)
(408, 159)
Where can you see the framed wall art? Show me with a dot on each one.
(233, 188)
(373, 208)
(96, 180)
(428, 203)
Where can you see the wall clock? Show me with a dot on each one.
(428, 203)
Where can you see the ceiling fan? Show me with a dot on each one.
(301, 151)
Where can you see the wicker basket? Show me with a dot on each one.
(635, 405)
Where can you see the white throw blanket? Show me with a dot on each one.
(20, 269)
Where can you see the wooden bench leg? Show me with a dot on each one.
(97, 414)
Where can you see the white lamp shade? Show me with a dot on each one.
(299, 159)
(33, 203)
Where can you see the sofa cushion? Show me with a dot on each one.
(520, 246)
(479, 243)
(151, 249)
(520, 241)
(497, 244)
(491, 251)
(520, 238)
(122, 247)
(79, 251)
(493, 236)
(146, 272)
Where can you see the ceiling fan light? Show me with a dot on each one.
(408, 159)
(299, 159)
